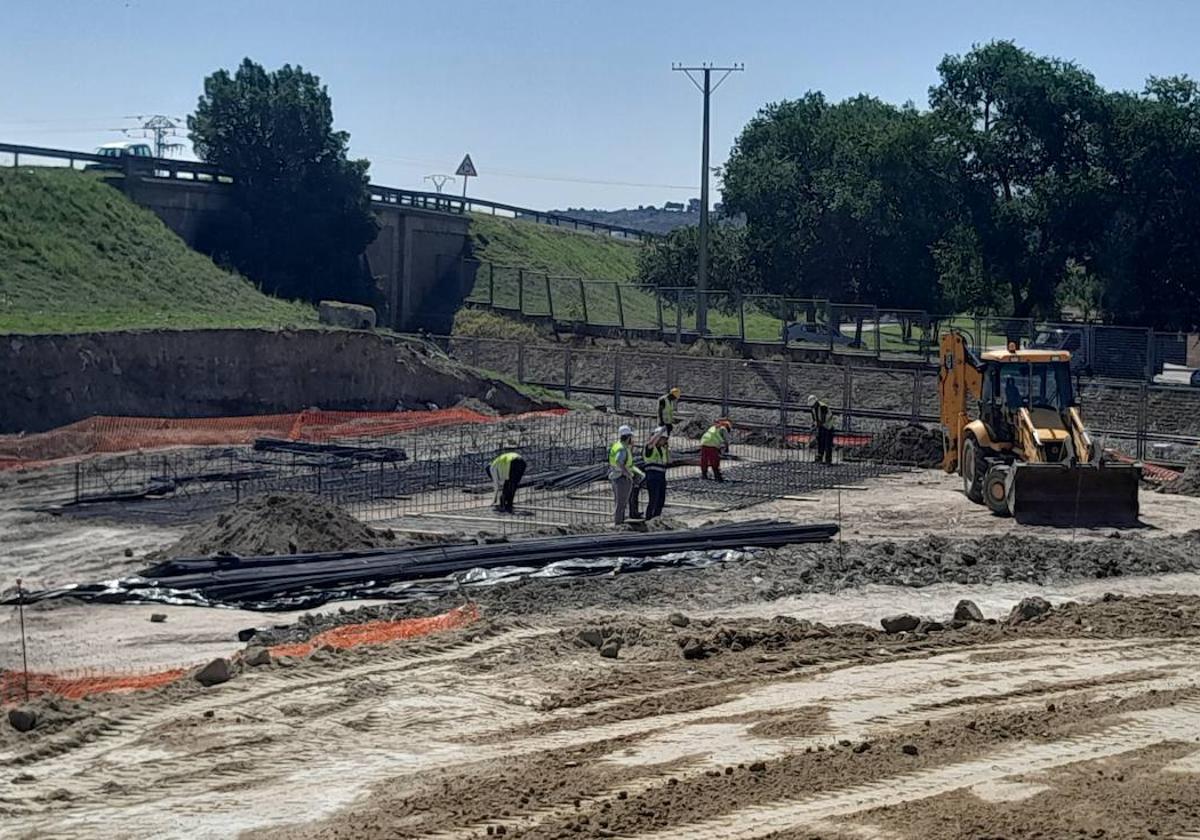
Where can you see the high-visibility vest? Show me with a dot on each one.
(822, 415)
(715, 436)
(666, 409)
(614, 452)
(502, 464)
(657, 457)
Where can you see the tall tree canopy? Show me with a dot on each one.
(1023, 189)
(303, 212)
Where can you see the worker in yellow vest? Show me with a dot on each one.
(621, 472)
(506, 470)
(657, 457)
(667, 404)
(823, 425)
(713, 444)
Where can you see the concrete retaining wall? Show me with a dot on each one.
(51, 380)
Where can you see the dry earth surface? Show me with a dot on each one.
(758, 697)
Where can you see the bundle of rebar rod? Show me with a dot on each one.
(258, 579)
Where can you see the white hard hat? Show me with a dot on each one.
(624, 431)
(659, 431)
(812, 399)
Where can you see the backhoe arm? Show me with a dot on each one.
(960, 377)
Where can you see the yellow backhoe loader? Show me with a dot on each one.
(1026, 452)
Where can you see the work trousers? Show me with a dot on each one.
(824, 445)
(516, 471)
(710, 456)
(622, 488)
(656, 489)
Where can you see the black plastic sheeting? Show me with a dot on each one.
(301, 581)
(383, 454)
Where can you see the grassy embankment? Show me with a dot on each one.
(76, 256)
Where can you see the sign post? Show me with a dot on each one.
(466, 170)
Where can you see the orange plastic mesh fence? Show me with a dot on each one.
(13, 683)
(126, 434)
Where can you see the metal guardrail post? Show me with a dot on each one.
(521, 290)
(583, 300)
(620, 307)
(567, 372)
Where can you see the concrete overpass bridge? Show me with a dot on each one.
(416, 259)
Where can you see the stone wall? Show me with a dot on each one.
(51, 380)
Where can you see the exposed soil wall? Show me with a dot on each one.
(51, 380)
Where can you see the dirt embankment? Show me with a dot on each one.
(902, 444)
(1188, 482)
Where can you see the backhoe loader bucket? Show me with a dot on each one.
(1084, 494)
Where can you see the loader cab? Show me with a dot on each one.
(1036, 380)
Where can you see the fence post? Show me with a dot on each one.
(521, 290)
(783, 395)
(1142, 431)
(741, 319)
(583, 300)
(678, 318)
(617, 381)
(521, 362)
(847, 389)
(979, 348)
(878, 347)
(1150, 353)
(916, 396)
(725, 387)
(475, 352)
(491, 285)
(567, 371)
(549, 299)
(658, 308)
(620, 307)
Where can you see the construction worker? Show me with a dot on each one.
(713, 444)
(667, 404)
(822, 418)
(506, 470)
(620, 472)
(657, 456)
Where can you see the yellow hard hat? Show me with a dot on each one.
(675, 392)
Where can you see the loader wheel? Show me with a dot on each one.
(995, 490)
(972, 468)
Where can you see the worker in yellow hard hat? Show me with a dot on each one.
(667, 404)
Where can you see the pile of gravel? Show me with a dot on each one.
(277, 523)
(905, 443)
(1188, 482)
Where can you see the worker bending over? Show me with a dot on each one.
(506, 470)
(822, 419)
(657, 456)
(667, 404)
(620, 472)
(713, 444)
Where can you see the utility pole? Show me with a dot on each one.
(705, 87)
(161, 128)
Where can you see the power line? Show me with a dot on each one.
(706, 88)
(528, 176)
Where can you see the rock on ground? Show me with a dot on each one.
(215, 672)
(1028, 609)
(967, 611)
(900, 623)
(22, 720)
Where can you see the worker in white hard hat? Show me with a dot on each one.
(657, 457)
(822, 419)
(621, 472)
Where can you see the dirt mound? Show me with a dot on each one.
(905, 443)
(1188, 483)
(278, 523)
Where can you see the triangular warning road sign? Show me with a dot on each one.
(466, 168)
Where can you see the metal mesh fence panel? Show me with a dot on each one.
(699, 378)
(566, 296)
(854, 328)
(1169, 349)
(545, 366)
(806, 323)
(881, 391)
(906, 332)
(497, 355)
(506, 287)
(995, 333)
(1120, 352)
(593, 369)
(603, 306)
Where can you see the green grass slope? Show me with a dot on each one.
(556, 251)
(76, 255)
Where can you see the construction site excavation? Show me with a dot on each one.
(375, 624)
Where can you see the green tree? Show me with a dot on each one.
(302, 210)
(842, 201)
(673, 259)
(1027, 136)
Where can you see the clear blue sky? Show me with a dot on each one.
(546, 96)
